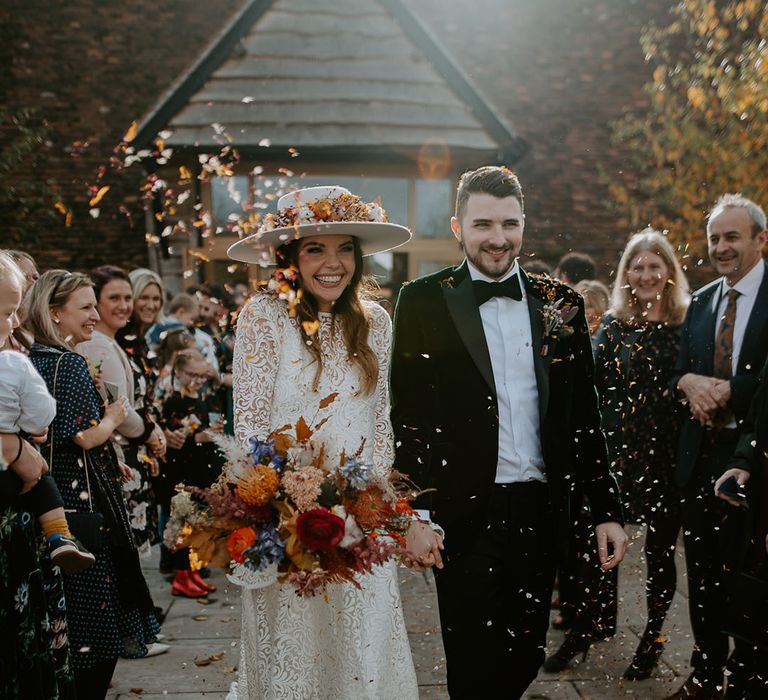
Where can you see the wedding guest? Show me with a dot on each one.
(596, 301)
(26, 410)
(537, 266)
(143, 456)
(724, 343)
(109, 608)
(183, 312)
(749, 466)
(18, 340)
(574, 267)
(196, 462)
(34, 650)
(34, 654)
(215, 307)
(114, 304)
(635, 351)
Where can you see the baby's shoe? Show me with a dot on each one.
(68, 554)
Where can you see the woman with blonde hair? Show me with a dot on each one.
(635, 351)
(109, 608)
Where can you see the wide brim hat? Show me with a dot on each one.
(320, 211)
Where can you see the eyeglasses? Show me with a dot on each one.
(193, 375)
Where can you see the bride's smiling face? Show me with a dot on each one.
(326, 266)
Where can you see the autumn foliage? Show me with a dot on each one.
(706, 129)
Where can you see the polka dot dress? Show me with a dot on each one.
(100, 627)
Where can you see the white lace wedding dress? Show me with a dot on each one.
(350, 644)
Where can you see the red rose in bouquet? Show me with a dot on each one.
(240, 540)
(319, 529)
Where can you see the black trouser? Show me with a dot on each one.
(494, 596)
(715, 534)
(42, 497)
(93, 683)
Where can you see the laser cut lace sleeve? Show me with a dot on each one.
(255, 366)
(380, 339)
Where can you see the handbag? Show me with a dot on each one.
(88, 527)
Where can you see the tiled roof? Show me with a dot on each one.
(329, 74)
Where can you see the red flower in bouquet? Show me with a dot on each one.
(319, 529)
(240, 540)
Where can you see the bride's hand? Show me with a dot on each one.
(423, 545)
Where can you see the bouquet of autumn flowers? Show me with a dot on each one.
(280, 511)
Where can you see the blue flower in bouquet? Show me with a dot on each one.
(268, 549)
(357, 473)
(264, 452)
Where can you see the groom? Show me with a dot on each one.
(494, 408)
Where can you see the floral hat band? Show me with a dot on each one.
(321, 211)
(337, 205)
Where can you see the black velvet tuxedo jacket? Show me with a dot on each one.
(445, 412)
(697, 354)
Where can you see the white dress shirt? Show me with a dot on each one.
(25, 403)
(507, 327)
(747, 287)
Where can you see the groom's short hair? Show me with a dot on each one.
(496, 180)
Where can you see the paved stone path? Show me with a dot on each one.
(209, 635)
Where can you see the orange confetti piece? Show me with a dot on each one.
(310, 327)
(131, 133)
(99, 195)
(184, 173)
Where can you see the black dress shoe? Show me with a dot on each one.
(572, 646)
(645, 659)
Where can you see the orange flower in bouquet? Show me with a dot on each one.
(240, 540)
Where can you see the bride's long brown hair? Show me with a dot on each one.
(348, 308)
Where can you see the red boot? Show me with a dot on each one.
(200, 582)
(184, 585)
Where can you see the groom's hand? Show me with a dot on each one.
(611, 544)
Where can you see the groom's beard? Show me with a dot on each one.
(488, 265)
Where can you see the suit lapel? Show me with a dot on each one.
(541, 362)
(706, 329)
(460, 298)
(758, 320)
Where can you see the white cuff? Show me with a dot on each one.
(423, 516)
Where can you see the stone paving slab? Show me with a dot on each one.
(198, 631)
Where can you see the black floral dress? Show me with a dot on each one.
(109, 609)
(34, 651)
(641, 415)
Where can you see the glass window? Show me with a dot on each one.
(228, 196)
(433, 208)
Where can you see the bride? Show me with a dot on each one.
(295, 346)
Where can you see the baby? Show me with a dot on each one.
(27, 407)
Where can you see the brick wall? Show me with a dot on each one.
(89, 69)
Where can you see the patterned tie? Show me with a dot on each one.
(724, 339)
(723, 359)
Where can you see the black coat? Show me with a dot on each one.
(697, 349)
(445, 413)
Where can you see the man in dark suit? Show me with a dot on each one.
(724, 344)
(494, 408)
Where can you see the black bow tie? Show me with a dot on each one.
(488, 290)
